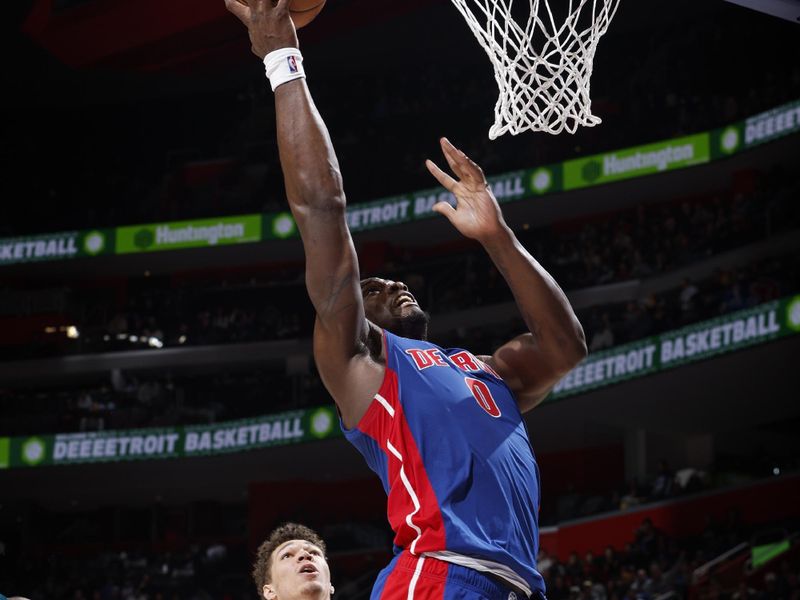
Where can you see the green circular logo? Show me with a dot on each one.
(143, 238)
(793, 314)
(729, 140)
(592, 170)
(283, 225)
(33, 451)
(94, 242)
(322, 421)
(541, 180)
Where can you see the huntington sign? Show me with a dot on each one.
(189, 234)
(637, 162)
(618, 165)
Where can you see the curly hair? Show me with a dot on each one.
(279, 535)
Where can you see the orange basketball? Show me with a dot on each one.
(302, 11)
(305, 11)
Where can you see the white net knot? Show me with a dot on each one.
(543, 69)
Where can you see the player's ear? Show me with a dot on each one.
(332, 590)
(269, 592)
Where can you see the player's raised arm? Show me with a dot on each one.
(317, 201)
(532, 363)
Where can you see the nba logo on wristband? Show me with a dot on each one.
(283, 65)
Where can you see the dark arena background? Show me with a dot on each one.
(160, 410)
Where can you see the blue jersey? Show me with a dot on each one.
(446, 438)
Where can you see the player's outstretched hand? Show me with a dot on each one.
(269, 25)
(476, 214)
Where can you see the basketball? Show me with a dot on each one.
(302, 11)
(305, 11)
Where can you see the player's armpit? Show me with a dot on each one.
(527, 370)
(341, 328)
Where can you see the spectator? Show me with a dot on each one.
(687, 296)
(662, 485)
(603, 337)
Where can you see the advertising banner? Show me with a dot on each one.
(4, 448)
(278, 226)
(419, 205)
(627, 163)
(728, 140)
(56, 246)
(690, 344)
(772, 124)
(696, 342)
(545, 180)
(758, 129)
(240, 229)
(636, 162)
(145, 444)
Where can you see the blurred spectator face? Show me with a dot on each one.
(298, 569)
(586, 590)
(770, 581)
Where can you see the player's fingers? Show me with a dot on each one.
(448, 182)
(451, 154)
(474, 170)
(240, 11)
(455, 153)
(467, 168)
(281, 5)
(446, 209)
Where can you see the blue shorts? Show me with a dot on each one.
(410, 577)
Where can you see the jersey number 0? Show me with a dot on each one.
(483, 396)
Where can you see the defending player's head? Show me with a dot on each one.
(291, 565)
(389, 304)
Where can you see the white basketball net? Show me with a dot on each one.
(547, 88)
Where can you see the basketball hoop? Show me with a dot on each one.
(542, 70)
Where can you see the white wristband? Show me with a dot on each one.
(284, 65)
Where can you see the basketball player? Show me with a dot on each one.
(443, 429)
(291, 565)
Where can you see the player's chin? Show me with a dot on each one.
(411, 312)
(312, 585)
(412, 323)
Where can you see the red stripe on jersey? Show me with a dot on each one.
(397, 584)
(429, 579)
(393, 435)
